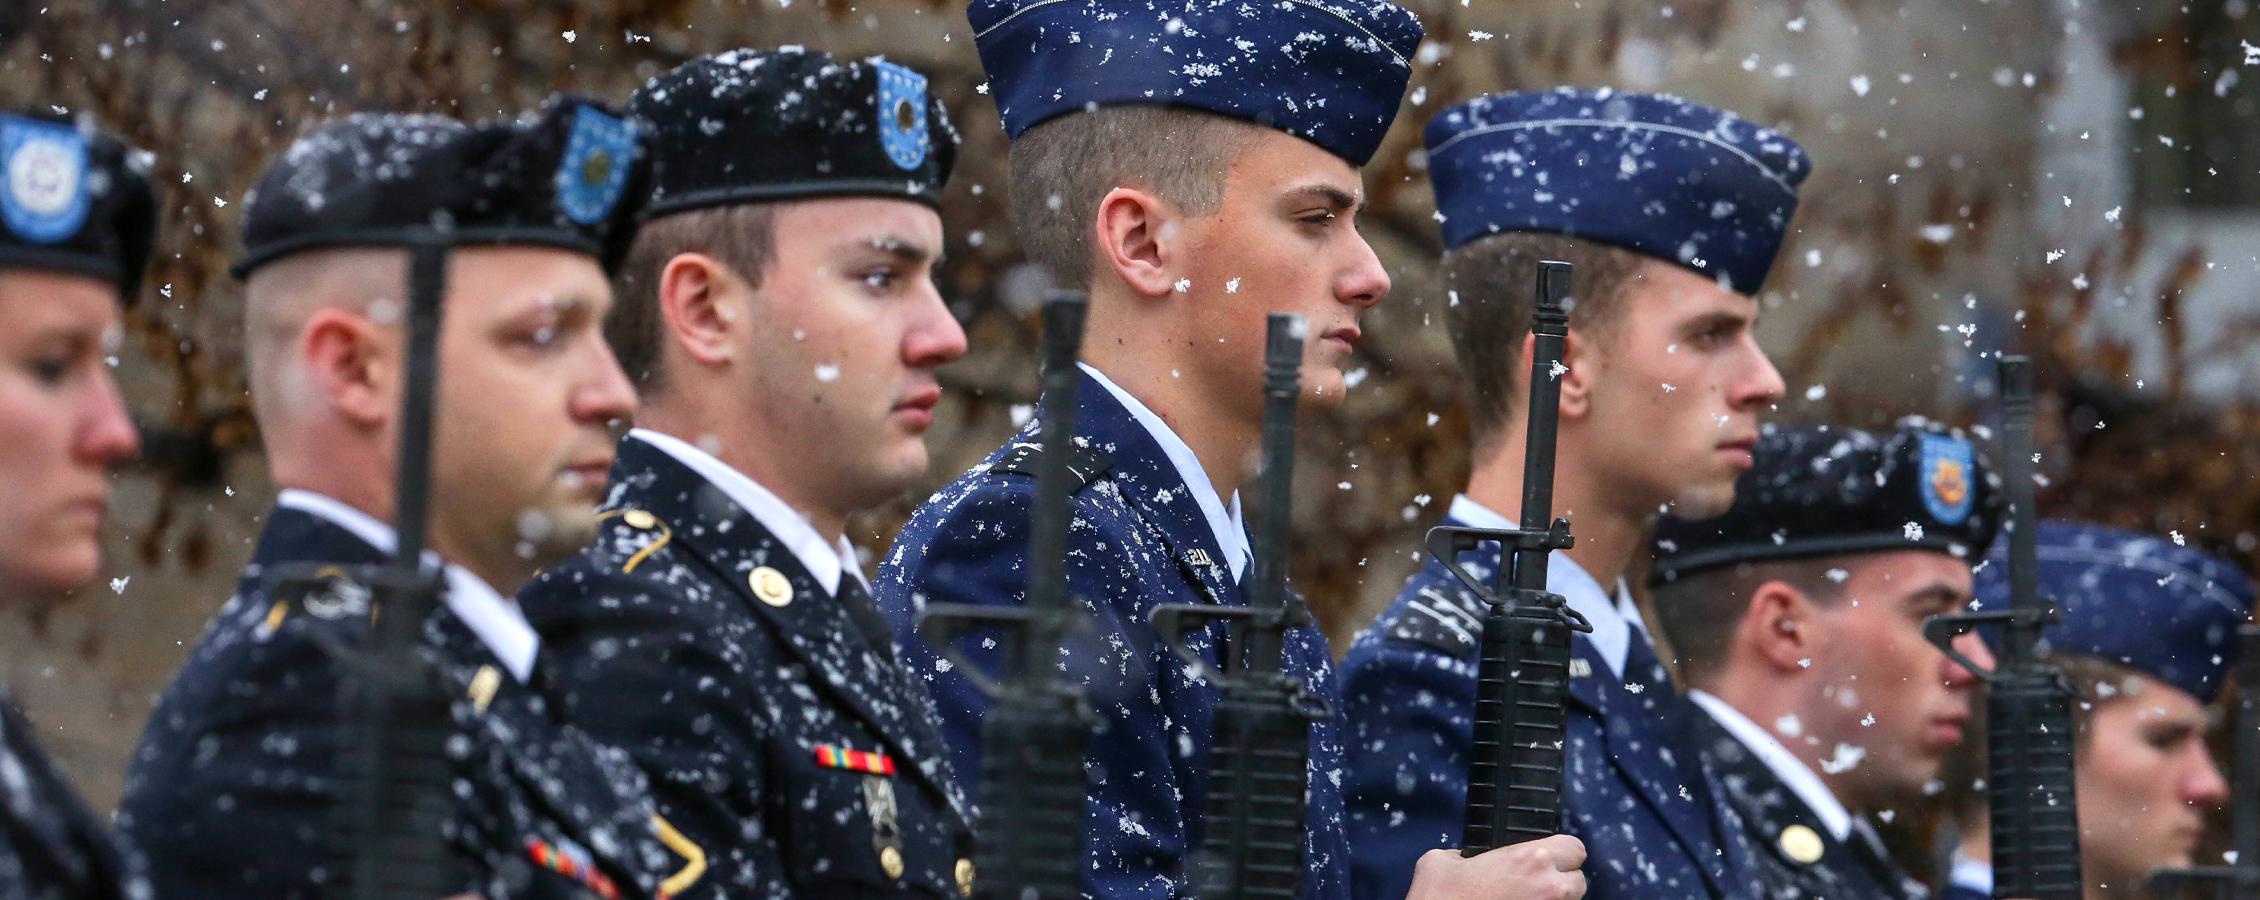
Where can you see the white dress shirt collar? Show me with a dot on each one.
(1971, 874)
(1785, 765)
(1225, 522)
(1614, 619)
(496, 619)
(826, 562)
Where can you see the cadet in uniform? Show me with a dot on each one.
(2148, 636)
(1672, 214)
(233, 787)
(1798, 617)
(779, 318)
(76, 224)
(1192, 172)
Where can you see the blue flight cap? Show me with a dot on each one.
(2145, 602)
(1659, 176)
(1331, 72)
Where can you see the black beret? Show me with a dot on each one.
(572, 176)
(752, 126)
(1822, 491)
(74, 200)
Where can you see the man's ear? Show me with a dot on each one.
(1135, 235)
(354, 365)
(1583, 370)
(700, 302)
(1780, 626)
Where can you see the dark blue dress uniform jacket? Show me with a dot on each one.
(664, 647)
(51, 846)
(1637, 793)
(1138, 540)
(232, 790)
(1852, 869)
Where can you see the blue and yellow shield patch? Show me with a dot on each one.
(902, 115)
(599, 152)
(43, 187)
(1947, 468)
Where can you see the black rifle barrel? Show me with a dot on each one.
(1253, 837)
(1032, 737)
(2028, 706)
(1515, 770)
(2029, 777)
(397, 774)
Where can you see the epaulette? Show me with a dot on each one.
(1083, 461)
(656, 534)
(1439, 617)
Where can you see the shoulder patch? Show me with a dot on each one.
(1084, 462)
(1439, 618)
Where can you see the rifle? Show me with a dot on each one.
(2238, 880)
(2029, 775)
(1514, 769)
(1253, 843)
(1033, 735)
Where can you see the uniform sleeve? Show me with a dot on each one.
(973, 549)
(1406, 710)
(640, 670)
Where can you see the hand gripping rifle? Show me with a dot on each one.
(1033, 735)
(1252, 846)
(1514, 768)
(2035, 820)
(2240, 879)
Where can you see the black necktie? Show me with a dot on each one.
(865, 614)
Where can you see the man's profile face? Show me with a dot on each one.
(846, 330)
(2145, 780)
(528, 393)
(1283, 239)
(1679, 384)
(1885, 690)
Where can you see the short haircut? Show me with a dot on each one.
(1699, 613)
(1490, 282)
(742, 237)
(1061, 169)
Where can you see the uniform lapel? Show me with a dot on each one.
(1151, 484)
(50, 818)
(1639, 740)
(815, 627)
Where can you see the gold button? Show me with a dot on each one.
(771, 586)
(965, 877)
(1801, 844)
(890, 861)
(640, 520)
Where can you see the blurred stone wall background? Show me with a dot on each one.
(2054, 176)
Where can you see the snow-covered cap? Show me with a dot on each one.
(73, 200)
(1331, 72)
(574, 176)
(2168, 610)
(1816, 490)
(751, 126)
(1681, 182)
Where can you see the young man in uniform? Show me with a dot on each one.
(1193, 172)
(76, 223)
(1798, 618)
(1672, 214)
(779, 318)
(2148, 637)
(233, 791)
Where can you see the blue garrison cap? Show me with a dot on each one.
(1331, 72)
(2145, 602)
(1818, 490)
(1659, 176)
